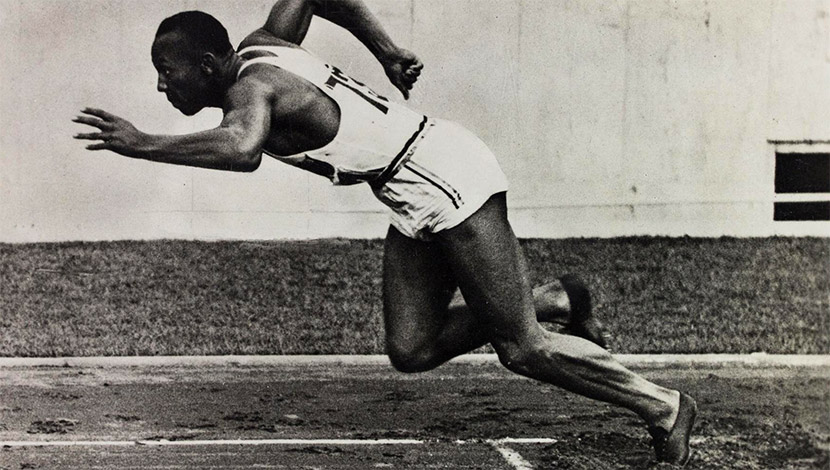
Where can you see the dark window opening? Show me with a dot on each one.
(802, 173)
(806, 211)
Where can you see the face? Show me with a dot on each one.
(180, 76)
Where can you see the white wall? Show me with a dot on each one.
(610, 118)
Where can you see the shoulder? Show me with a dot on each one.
(251, 90)
(263, 78)
(262, 85)
(262, 37)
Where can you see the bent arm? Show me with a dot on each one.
(235, 145)
(289, 20)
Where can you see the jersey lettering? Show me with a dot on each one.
(339, 78)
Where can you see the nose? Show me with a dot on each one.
(162, 84)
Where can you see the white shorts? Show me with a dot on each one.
(449, 176)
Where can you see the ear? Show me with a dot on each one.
(208, 63)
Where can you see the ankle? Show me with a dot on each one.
(665, 414)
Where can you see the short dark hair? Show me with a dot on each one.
(203, 31)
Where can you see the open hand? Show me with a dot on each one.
(116, 134)
(403, 68)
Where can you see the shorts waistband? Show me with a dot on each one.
(405, 154)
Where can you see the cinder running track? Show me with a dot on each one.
(331, 415)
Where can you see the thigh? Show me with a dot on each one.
(417, 288)
(490, 268)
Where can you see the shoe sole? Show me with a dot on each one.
(681, 432)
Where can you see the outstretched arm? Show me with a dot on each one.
(289, 20)
(236, 145)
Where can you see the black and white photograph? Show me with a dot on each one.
(415, 234)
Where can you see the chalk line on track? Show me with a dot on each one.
(649, 360)
(214, 442)
(513, 458)
(255, 442)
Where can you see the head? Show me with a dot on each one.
(191, 52)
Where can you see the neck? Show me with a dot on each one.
(227, 77)
(234, 64)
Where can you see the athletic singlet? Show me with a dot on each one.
(375, 136)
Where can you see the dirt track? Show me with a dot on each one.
(772, 418)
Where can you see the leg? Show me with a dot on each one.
(567, 302)
(550, 301)
(421, 331)
(487, 263)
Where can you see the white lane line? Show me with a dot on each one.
(66, 443)
(256, 442)
(509, 440)
(513, 458)
(215, 442)
(527, 440)
(665, 360)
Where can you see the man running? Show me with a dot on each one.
(449, 227)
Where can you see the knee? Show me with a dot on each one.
(410, 358)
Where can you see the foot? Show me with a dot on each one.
(582, 322)
(673, 446)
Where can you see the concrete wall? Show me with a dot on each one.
(610, 118)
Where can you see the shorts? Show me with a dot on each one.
(447, 178)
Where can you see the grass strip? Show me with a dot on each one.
(656, 295)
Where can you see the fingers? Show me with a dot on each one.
(410, 77)
(402, 84)
(414, 69)
(100, 113)
(103, 137)
(97, 118)
(91, 136)
(406, 80)
(404, 91)
(98, 146)
(95, 122)
(114, 131)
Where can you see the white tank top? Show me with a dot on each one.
(375, 137)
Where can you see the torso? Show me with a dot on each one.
(306, 119)
(324, 121)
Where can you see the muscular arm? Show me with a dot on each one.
(289, 20)
(235, 145)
